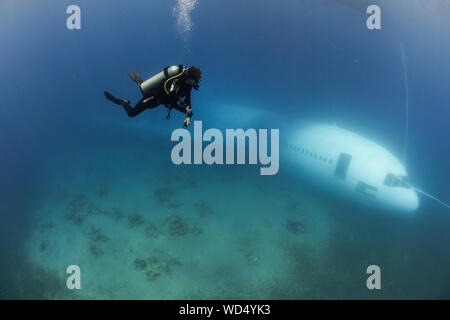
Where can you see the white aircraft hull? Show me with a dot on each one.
(350, 166)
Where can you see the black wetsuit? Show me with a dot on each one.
(179, 98)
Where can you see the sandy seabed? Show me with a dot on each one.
(177, 232)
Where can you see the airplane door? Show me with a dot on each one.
(342, 165)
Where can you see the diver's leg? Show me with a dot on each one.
(144, 103)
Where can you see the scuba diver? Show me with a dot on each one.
(171, 87)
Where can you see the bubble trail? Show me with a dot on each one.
(182, 13)
(405, 75)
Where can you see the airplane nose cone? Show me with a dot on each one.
(412, 202)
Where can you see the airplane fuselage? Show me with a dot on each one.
(349, 165)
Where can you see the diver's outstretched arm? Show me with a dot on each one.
(188, 111)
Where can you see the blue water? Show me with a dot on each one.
(265, 64)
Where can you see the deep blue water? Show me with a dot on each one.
(264, 63)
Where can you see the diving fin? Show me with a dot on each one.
(116, 100)
(135, 76)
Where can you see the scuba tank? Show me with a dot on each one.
(149, 85)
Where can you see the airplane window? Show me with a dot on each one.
(396, 182)
(388, 179)
(405, 182)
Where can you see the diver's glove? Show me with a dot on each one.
(189, 112)
(187, 122)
